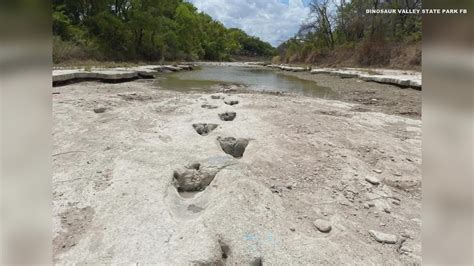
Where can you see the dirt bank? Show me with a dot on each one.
(143, 175)
(370, 96)
(369, 54)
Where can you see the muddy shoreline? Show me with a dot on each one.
(369, 96)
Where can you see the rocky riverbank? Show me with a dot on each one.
(369, 96)
(402, 78)
(113, 75)
(231, 177)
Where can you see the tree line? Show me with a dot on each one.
(335, 26)
(149, 30)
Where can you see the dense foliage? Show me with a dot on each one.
(148, 30)
(344, 25)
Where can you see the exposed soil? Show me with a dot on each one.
(369, 96)
(375, 55)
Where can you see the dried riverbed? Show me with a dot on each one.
(369, 96)
(228, 176)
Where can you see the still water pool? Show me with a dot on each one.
(257, 79)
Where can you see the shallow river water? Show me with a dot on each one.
(254, 78)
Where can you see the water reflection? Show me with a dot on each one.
(258, 79)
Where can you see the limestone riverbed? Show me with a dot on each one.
(166, 176)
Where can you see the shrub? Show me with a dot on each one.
(276, 59)
(64, 51)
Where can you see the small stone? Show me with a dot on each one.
(387, 210)
(378, 171)
(344, 202)
(274, 189)
(231, 102)
(292, 229)
(372, 180)
(208, 106)
(383, 237)
(407, 234)
(99, 110)
(323, 225)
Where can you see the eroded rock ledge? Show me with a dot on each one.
(113, 75)
(395, 77)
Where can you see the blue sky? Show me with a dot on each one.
(273, 21)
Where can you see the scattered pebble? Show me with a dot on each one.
(383, 237)
(99, 110)
(274, 189)
(372, 180)
(378, 171)
(323, 225)
(231, 102)
(208, 106)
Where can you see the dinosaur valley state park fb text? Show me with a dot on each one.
(416, 11)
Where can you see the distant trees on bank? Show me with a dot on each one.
(149, 30)
(343, 31)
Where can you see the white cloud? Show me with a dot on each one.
(273, 21)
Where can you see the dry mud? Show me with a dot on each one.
(368, 95)
(318, 181)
